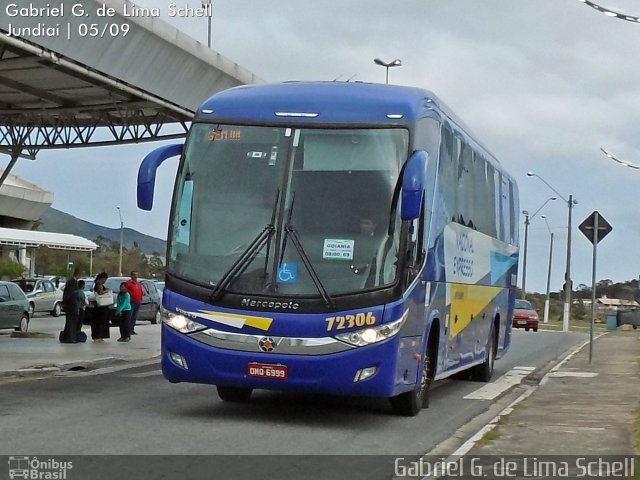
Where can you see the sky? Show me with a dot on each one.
(542, 83)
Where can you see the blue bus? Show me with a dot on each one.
(338, 238)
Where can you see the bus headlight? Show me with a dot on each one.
(180, 322)
(376, 334)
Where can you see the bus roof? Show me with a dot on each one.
(329, 101)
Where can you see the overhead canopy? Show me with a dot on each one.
(29, 238)
(138, 78)
(22, 202)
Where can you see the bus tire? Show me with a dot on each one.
(234, 394)
(484, 371)
(409, 404)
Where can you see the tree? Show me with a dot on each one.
(579, 310)
(156, 266)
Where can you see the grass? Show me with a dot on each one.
(575, 325)
(488, 437)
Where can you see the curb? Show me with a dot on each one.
(42, 371)
(467, 445)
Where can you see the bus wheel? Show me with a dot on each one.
(234, 394)
(409, 404)
(484, 371)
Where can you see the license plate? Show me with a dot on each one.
(522, 322)
(266, 370)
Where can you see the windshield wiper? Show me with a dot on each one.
(248, 255)
(243, 261)
(289, 230)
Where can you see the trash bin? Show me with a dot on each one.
(612, 320)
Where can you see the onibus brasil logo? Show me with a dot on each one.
(35, 469)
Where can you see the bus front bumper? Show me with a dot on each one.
(185, 359)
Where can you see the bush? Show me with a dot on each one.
(9, 268)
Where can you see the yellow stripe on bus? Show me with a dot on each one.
(467, 302)
(261, 323)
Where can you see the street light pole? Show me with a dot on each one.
(567, 276)
(396, 63)
(527, 220)
(611, 13)
(207, 4)
(524, 264)
(568, 283)
(121, 239)
(546, 301)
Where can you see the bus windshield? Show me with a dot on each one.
(278, 210)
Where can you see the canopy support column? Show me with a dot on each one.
(15, 154)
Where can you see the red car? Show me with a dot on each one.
(524, 316)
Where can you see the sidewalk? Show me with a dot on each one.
(41, 354)
(578, 409)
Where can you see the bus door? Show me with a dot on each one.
(414, 334)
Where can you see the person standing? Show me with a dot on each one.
(71, 301)
(134, 287)
(100, 323)
(82, 304)
(123, 310)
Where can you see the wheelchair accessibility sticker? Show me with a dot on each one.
(288, 272)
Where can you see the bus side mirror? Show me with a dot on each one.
(413, 185)
(147, 173)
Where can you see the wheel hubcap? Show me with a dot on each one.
(24, 324)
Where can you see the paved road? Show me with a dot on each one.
(135, 411)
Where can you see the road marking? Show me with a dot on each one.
(152, 373)
(572, 374)
(501, 385)
(567, 358)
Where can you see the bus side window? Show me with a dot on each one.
(512, 215)
(447, 177)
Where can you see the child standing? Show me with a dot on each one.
(123, 310)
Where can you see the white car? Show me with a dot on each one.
(42, 294)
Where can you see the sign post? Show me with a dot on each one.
(595, 228)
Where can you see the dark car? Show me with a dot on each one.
(149, 307)
(14, 307)
(525, 316)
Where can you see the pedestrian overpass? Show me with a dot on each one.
(88, 86)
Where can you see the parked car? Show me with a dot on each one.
(149, 307)
(525, 316)
(42, 294)
(88, 289)
(14, 307)
(159, 286)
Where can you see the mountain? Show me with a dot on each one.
(59, 222)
